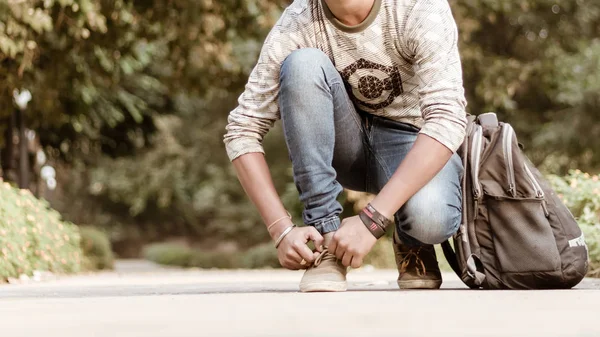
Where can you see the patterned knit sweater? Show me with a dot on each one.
(401, 62)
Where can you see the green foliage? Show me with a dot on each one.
(104, 74)
(100, 70)
(210, 259)
(592, 239)
(97, 250)
(581, 193)
(33, 237)
(260, 256)
(169, 253)
(178, 254)
(55, 53)
(186, 186)
(535, 62)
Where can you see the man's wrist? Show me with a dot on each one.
(277, 230)
(283, 235)
(382, 208)
(371, 225)
(375, 222)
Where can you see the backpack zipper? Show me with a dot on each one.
(508, 158)
(475, 158)
(539, 192)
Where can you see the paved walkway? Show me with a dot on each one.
(142, 300)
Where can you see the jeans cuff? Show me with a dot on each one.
(328, 225)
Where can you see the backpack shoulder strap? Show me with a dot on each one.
(451, 257)
(474, 123)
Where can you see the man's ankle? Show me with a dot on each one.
(327, 238)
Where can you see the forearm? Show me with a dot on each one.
(426, 158)
(255, 177)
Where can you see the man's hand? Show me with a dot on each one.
(293, 248)
(352, 242)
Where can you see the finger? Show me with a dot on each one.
(340, 251)
(316, 237)
(293, 259)
(333, 244)
(347, 259)
(304, 252)
(356, 262)
(287, 265)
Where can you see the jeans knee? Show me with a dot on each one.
(302, 64)
(431, 225)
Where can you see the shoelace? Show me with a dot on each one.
(323, 256)
(407, 258)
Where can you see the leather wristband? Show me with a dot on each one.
(371, 225)
(381, 219)
(375, 222)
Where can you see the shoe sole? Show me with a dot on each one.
(420, 284)
(326, 286)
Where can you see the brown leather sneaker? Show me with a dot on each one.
(326, 274)
(417, 266)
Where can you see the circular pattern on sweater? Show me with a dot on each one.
(372, 85)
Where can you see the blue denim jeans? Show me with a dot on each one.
(332, 145)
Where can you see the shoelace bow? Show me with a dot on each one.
(323, 256)
(407, 258)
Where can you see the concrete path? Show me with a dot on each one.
(143, 300)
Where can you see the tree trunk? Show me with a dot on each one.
(23, 153)
(7, 152)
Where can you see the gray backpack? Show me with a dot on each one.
(515, 232)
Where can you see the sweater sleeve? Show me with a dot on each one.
(257, 108)
(431, 38)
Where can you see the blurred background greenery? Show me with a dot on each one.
(130, 100)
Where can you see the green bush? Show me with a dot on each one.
(260, 256)
(169, 253)
(33, 237)
(214, 259)
(581, 193)
(178, 254)
(97, 250)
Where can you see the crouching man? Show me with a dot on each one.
(371, 98)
